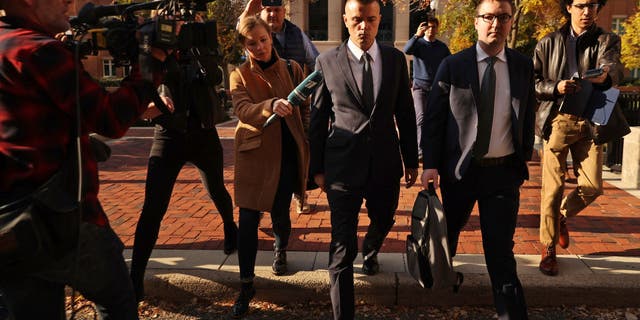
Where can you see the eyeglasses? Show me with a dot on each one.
(489, 18)
(583, 6)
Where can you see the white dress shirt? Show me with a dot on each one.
(501, 143)
(356, 65)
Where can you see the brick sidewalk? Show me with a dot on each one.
(610, 226)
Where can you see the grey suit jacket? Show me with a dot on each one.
(351, 146)
(451, 119)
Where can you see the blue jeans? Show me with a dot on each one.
(96, 269)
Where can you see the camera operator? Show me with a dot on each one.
(41, 83)
(186, 135)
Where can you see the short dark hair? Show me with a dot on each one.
(565, 3)
(434, 20)
(365, 2)
(479, 2)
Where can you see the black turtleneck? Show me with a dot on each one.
(264, 65)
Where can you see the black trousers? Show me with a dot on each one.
(497, 191)
(170, 151)
(345, 203)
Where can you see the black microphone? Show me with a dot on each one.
(300, 93)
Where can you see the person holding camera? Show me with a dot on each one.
(291, 43)
(41, 84)
(259, 88)
(428, 52)
(188, 134)
(576, 47)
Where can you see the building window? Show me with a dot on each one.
(108, 68)
(318, 20)
(616, 24)
(385, 30)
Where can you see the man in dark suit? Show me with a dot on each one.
(477, 136)
(356, 153)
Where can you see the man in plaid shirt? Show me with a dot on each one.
(40, 79)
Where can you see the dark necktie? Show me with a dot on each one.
(485, 111)
(367, 82)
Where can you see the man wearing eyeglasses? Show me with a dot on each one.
(477, 136)
(576, 47)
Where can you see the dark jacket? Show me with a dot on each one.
(449, 128)
(351, 145)
(294, 46)
(594, 47)
(192, 92)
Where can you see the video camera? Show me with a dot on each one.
(120, 30)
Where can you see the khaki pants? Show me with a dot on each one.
(569, 134)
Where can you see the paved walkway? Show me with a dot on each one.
(610, 226)
(602, 261)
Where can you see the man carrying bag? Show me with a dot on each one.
(428, 257)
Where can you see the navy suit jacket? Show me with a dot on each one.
(350, 145)
(451, 119)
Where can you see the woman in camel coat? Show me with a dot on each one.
(270, 163)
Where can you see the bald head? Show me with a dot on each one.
(49, 15)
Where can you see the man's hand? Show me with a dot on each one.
(568, 87)
(422, 28)
(410, 176)
(430, 175)
(253, 7)
(319, 180)
(153, 111)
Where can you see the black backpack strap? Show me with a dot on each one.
(290, 71)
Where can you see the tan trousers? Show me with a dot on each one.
(569, 134)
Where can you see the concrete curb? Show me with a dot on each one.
(590, 280)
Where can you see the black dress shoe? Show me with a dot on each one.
(371, 266)
(230, 238)
(241, 307)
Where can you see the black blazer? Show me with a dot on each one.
(350, 146)
(451, 119)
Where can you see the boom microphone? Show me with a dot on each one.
(90, 13)
(300, 93)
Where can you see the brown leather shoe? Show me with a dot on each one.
(549, 263)
(563, 239)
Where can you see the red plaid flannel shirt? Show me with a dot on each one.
(39, 78)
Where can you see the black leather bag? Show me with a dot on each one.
(428, 258)
(616, 128)
(40, 226)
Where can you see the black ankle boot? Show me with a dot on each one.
(279, 266)
(230, 238)
(241, 307)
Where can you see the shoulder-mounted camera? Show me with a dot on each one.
(123, 29)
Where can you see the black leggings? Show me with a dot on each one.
(169, 153)
(280, 220)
